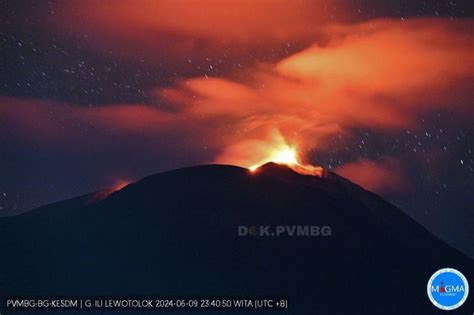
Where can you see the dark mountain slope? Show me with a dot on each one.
(176, 233)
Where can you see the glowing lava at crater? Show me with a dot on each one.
(104, 193)
(286, 155)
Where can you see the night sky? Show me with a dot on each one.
(94, 93)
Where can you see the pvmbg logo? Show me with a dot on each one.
(448, 289)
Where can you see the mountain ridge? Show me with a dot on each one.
(176, 233)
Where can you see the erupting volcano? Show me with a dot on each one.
(287, 155)
(177, 232)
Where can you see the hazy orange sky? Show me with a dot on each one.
(133, 87)
(309, 71)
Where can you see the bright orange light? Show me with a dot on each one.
(121, 183)
(283, 154)
(253, 168)
(104, 193)
(288, 156)
(274, 148)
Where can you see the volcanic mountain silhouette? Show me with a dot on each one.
(177, 234)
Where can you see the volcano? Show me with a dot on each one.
(184, 233)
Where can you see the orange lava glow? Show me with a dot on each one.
(287, 155)
(121, 183)
(104, 193)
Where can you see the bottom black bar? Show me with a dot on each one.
(27, 303)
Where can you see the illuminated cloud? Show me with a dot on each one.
(182, 30)
(379, 74)
(384, 176)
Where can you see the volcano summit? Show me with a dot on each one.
(177, 234)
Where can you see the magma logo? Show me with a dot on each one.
(448, 289)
